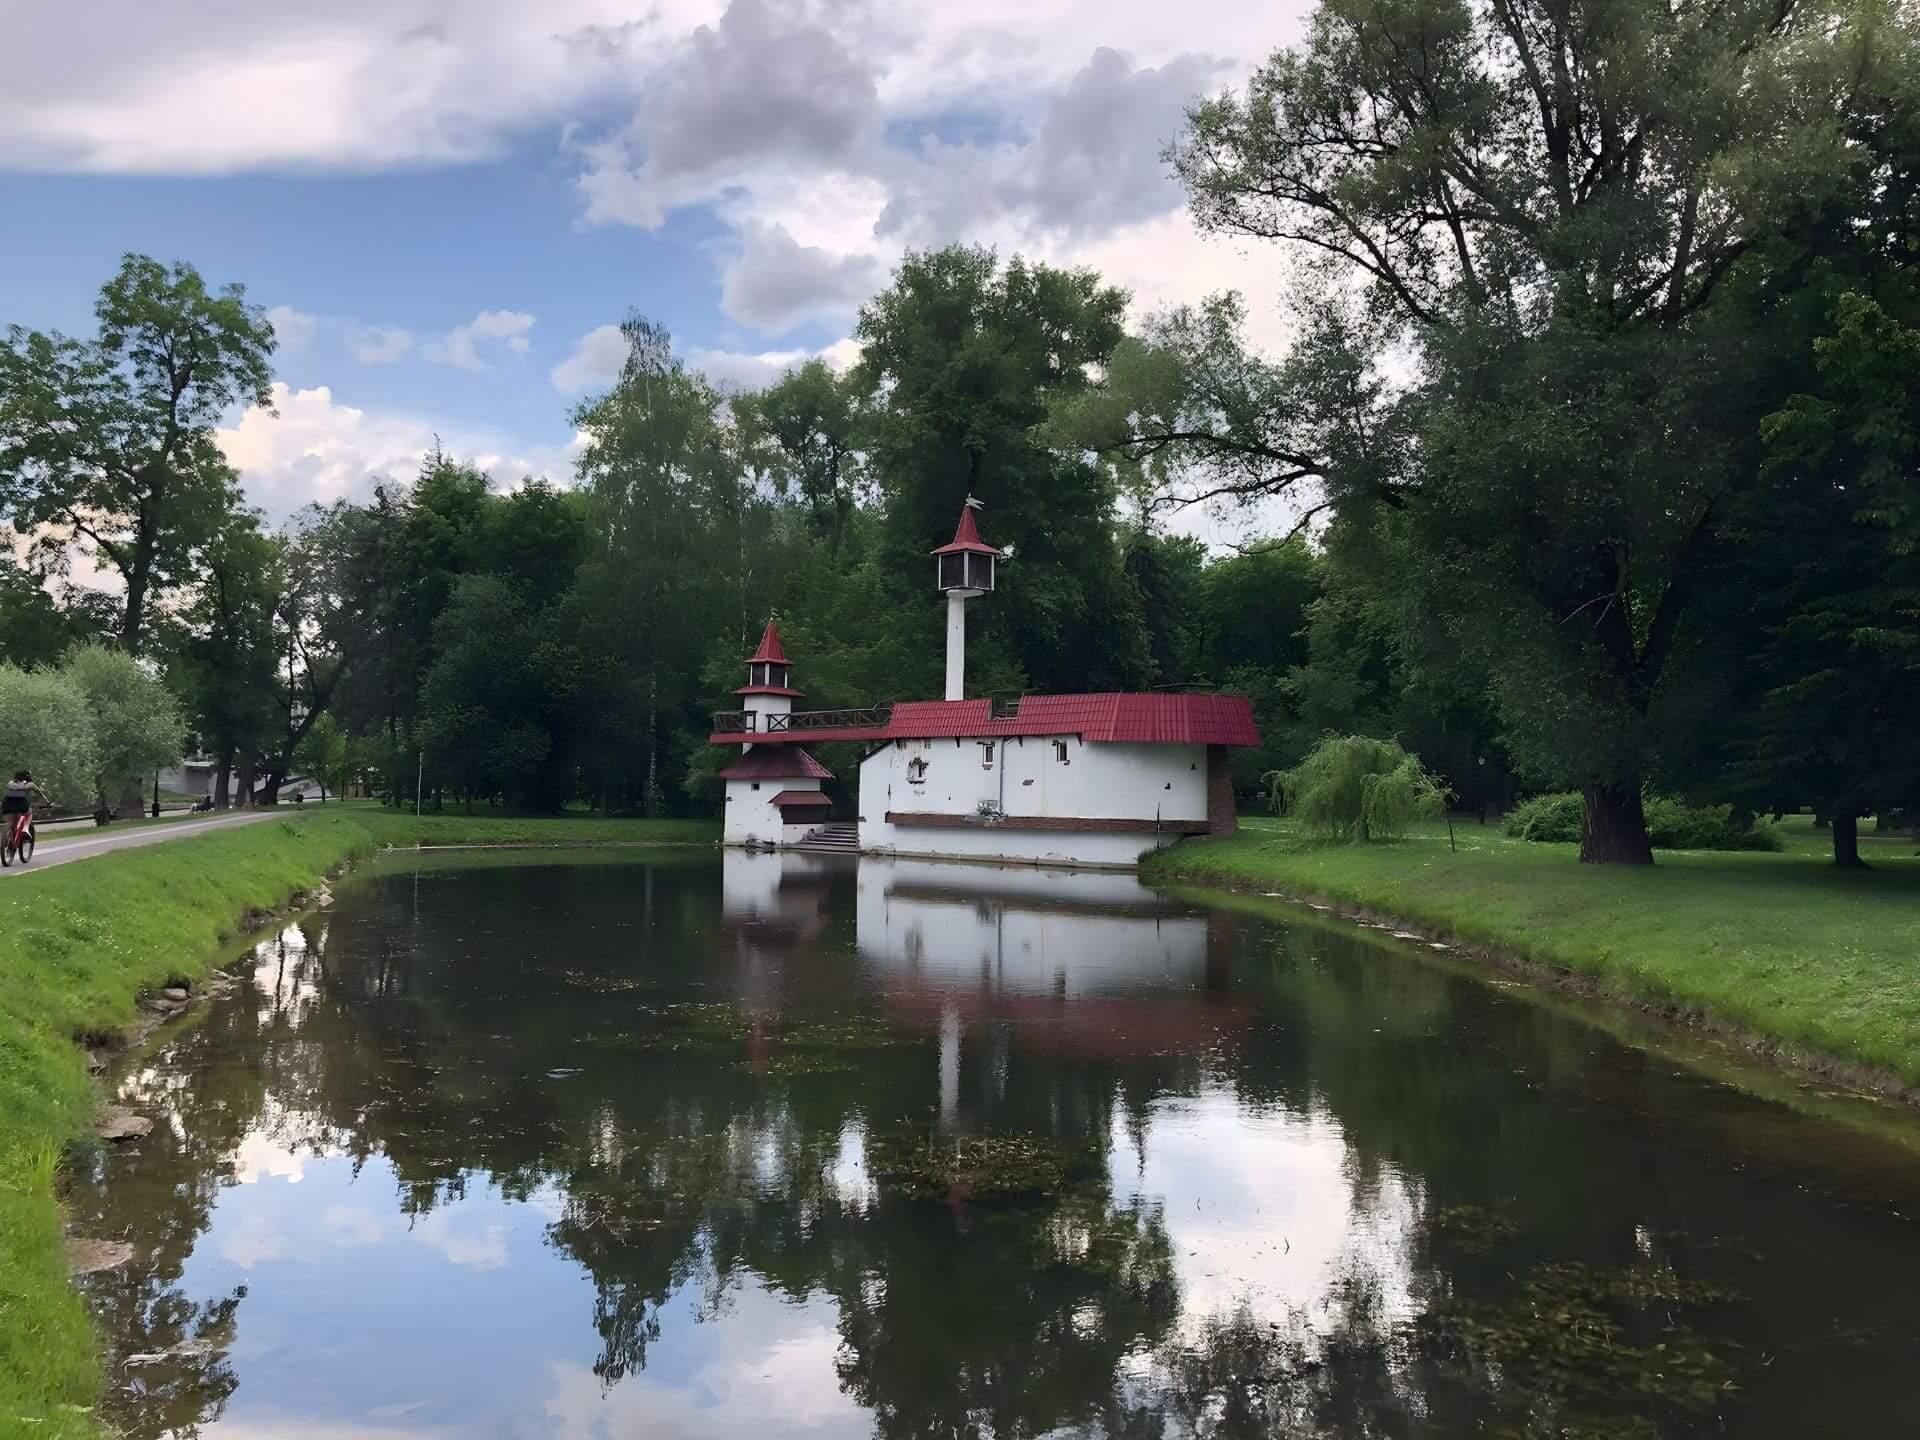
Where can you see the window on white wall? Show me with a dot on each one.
(916, 771)
(1060, 752)
(986, 754)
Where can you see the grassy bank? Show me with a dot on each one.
(1784, 946)
(78, 945)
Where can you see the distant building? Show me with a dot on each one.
(1084, 780)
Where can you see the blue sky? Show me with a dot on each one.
(445, 203)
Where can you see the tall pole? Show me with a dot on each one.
(419, 771)
(956, 645)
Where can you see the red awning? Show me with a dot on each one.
(801, 799)
(776, 762)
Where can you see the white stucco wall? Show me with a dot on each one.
(1028, 779)
(751, 818)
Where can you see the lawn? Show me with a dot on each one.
(1784, 946)
(79, 944)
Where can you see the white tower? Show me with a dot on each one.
(767, 691)
(963, 569)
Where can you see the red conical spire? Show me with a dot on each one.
(966, 536)
(769, 647)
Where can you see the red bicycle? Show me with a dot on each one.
(19, 838)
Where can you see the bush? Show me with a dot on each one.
(1350, 787)
(1547, 818)
(1670, 824)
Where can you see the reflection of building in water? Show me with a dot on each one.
(1090, 966)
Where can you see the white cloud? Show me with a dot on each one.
(254, 1241)
(315, 449)
(775, 282)
(461, 345)
(378, 344)
(292, 328)
(741, 370)
(595, 361)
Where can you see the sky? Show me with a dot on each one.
(447, 206)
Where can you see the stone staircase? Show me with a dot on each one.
(840, 837)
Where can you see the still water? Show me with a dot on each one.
(773, 1146)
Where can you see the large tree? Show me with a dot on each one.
(227, 664)
(108, 444)
(1541, 241)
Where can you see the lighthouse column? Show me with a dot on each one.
(956, 645)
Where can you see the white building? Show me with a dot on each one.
(1076, 780)
(773, 794)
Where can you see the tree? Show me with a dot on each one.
(1548, 206)
(227, 663)
(1352, 788)
(109, 443)
(46, 727)
(326, 755)
(802, 430)
(136, 722)
(961, 361)
(666, 498)
(35, 629)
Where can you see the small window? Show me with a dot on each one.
(916, 771)
(986, 754)
(1060, 752)
(756, 784)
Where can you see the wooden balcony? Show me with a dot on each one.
(865, 717)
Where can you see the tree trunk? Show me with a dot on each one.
(221, 793)
(1846, 842)
(1613, 827)
(246, 781)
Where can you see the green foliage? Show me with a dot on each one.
(113, 439)
(1353, 788)
(45, 727)
(1671, 824)
(134, 718)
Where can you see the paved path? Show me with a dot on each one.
(53, 850)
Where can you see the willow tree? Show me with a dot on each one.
(1539, 241)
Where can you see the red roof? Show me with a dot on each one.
(769, 647)
(788, 691)
(776, 762)
(1114, 717)
(798, 798)
(1169, 719)
(966, 536)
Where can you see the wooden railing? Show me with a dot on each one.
(865, 717)
(733, 722)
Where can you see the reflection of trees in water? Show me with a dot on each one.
(682, 1173)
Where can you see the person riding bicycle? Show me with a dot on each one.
(18, 802)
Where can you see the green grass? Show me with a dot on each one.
(79, 943)
(1784, 946)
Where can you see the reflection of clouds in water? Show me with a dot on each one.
(485, 1249)
(253, 1241)
(351, 1225)
(285, 1427)
(1263, 1209)
(259, 1155)
(849, 1179)
(768, 1371)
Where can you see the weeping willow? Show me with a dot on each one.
(1353, 788)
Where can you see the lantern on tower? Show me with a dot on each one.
(962, 570)
(769, 689)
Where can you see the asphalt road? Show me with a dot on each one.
(53, 850)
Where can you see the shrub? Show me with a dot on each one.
(1670, 824)
(1351, 787)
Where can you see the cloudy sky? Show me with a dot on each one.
(449, 204)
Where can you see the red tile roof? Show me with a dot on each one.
(966, 536)
(776, 762)
(800, 798)
(769, 647)
(1113, 717)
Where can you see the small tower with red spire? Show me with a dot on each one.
(768, 690)
(774, 794)
(963, 568)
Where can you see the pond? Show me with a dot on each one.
(774, 1145)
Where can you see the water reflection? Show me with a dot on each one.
(591, 1149)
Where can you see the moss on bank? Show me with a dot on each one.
(1785, 946)
(79, 944)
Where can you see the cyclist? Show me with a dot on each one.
(17, 805)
